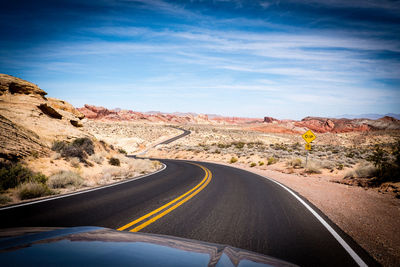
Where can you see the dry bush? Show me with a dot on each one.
(65, 179)
(106, 178)
(123, 159)
(114, 161)
(253, 164)
(233, 160)
(4, 199)
(55, 156)
(79, 148)
(327, 164)
(32, 190)
(272, 160)
(295, 163)
(142, 165)
(14, 174)
(362, 171)
(313, 167)
(97, 158)
(74, 162)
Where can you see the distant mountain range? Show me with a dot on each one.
(371, 116)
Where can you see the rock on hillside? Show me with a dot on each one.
(14, 85)
(30, 122)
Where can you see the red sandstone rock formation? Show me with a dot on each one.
(101, 113)
(270, 119)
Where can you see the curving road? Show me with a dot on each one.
(207, 202)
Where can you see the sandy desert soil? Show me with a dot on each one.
(131, 136)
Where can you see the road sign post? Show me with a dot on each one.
(308, 136)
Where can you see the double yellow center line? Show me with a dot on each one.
(170, 206)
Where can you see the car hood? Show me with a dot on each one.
(86, 246)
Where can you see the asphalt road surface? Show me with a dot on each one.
(207, 202)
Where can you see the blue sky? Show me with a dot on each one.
(286, 59)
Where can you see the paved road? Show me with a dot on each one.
(201, 201)
(185, 132)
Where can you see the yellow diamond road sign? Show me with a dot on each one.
(308, 146)
(308, 136)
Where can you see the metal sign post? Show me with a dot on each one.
(306, 159)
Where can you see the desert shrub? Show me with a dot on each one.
(238, 145)
(96, 158)
(79, 148)
(379, 157)
(271, 160)
(55, 156)
(72, 151)
(326, 164)
(32, 190)
(295, 163)
(156, 164)
(65, 179)
(143, 165)
(4, 199)
(387, 168)
(114, 162)
(58, 146)
(362, 171)
(122, 151)
(39, 178)
(253, 164)
(223, 145)
(14, 174)
(104, 145)
(260, 163)
(340, 166)
(86, 144)
(233, 160)
(313, 167)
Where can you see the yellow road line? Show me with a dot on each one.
(207, 177)
(143, 225)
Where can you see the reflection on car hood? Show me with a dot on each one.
(87, 246)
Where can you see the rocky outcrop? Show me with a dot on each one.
(94, 112)
(65, 106)
(14, 85)
(270, 120)
(46, 109)
(76, 123)
(324, 125)
(18, 142)
(30, 122)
